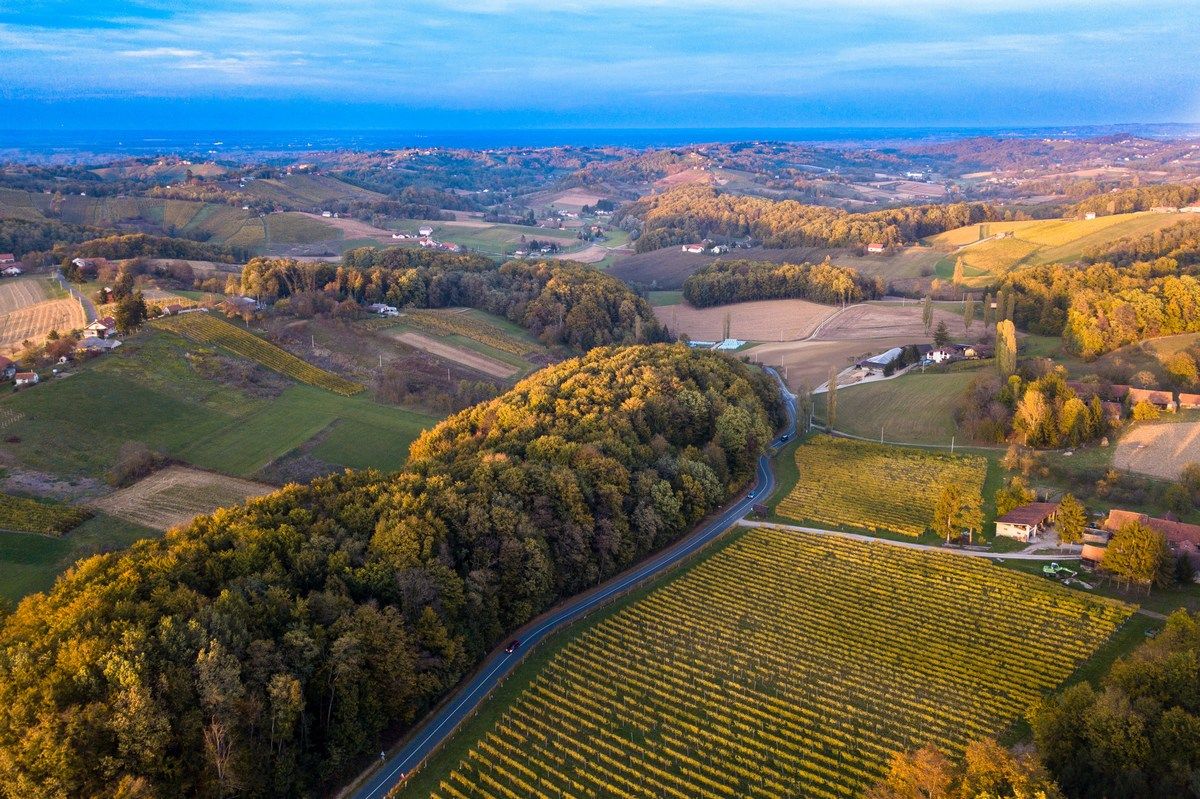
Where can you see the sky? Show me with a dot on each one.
(446, 64)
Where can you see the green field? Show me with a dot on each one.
(661, 298)
(150, 391)
(913, 409)
(779, 665)
(306, 191)
(1035, 242)
(496, 239)
(30, 562)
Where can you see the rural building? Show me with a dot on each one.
(326, 214)
(693, 248)
(943, 354)
(1113, 411)
(1090, 215)
(383, 309)
(91, 264)
(426, 231)
(877, 363)
(1188, 401)
(172, 309)
(875, 247)
(239, 304)
(7, 368)
(1160, 399)
(101, 328)
(7, 258)
(1190, 209)
(1183, 538)
(94, 344)
(1164, 209)
(26, 378)
(11, 271)
(728, 344)
(1027, 522)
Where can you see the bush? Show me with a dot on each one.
(134, 461)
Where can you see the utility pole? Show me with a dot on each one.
(951, 445)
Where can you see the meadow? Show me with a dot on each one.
(864, 486)
(782, 664)
(913, 409)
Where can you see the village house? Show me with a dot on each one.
(426, 231)
(875, 247)
(90, 264)
(239, 304)
(943, 354)
(171, 310)
(7, 258)
(26, 378)
(7, 368)
(101, 328)
(695, 249)
(383, 309)
(1183, 538)
(1188, 402)
(11, 271)
(1159, 399)
(880, 362)
(94, 344)
(1027, 522)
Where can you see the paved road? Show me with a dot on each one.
(500, 664)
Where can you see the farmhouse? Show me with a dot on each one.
(695, 249)
(426, 231)
(90, 264)
(1183, 538)
(94, 344)
(943, 354)
(1026, 522)
(1160, 399)
(12, 271)
(101, 328)
(383, 309)
(239, 304)
(26, 378)
(880, 362)
(7, 258)
(1188, 401)
(1090, 215)
(875, 247)
(172, 309)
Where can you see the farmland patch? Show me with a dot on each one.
(762, 320)
(1159, 450)
(176, 495)
(449, 352)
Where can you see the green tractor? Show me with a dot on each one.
(1058, 572)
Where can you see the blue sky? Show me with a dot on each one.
(595, 63)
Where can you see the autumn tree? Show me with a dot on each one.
(1006, 348)
(968, 313)
(989, 313)
(831, 400)
(987, 771)
(1071, 520)
(957, 510)
(1013, 494)
(958, 279)
(1139, 555)
(927, 313)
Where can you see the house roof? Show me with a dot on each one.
(26, 375)
(1175, 532)
(7, 256)
(1150, 395)
(107, 321)
(1189, 399)
(1117, 391)
(875, 245)
(1031, 514)
(1113, 408)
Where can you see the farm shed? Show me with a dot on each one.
(12, 271)
(1183, 538)
(1188, 401)
(875, 247)
(7, 258)
(1026, 522)
(877, 363)
(26, 378)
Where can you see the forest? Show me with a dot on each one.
(693, 213)
(268, 648)
(724, 282)
(560, 302)
(1141, 198)
(1179, 242)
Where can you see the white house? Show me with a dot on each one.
(943, 354)
(426, 231)
(693, 248)
(11, 271)
(1027, 522)
(326, 214)
(875, 247)
(101, 328)
(26, 378)
(383, 309)
(1090, 215)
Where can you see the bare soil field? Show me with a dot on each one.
(663, 269)
(33, 322)
(1159, 450)
(764, 320)
(472, 360)
(176, 495)
(574, 199)
(883, 320)
(353, 228)
(21, 292)
(591, 254)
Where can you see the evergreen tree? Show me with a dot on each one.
(941, 335)
(927, 313)
(831, 400)
(989, 313)
(1071, 520)
(1006, 348)
(968, 313)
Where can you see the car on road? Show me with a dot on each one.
(786, 436)
(751, 495)
(512, 645)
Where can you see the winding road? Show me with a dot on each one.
(499, 664)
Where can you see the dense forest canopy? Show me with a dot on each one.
(265, 649)
(692, 213)
(723, 282)
(1141, 198)
(562, 303)
(1179, 242)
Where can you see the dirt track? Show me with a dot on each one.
(472, 360)
(176, 495)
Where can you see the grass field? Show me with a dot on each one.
(1035, 242)
(149, 391)
(913, 409)
(763, 320)
(30, 562)
(306, 191)
(870, 487)
(496, 239)
(458, 322)
(780, 665)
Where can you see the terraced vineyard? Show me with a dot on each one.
(208, 329)
(784, 665)
(848, 483)
(452, 323)
(29, 515)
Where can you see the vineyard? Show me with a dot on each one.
(29, 515)
(784, 665)
(847, 483)
(34, 322)
(449, 324)
(176, 495)
(207, 329)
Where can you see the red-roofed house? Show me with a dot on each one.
(1159, 399)
(1026, 522)
(875, 247)
(695, 249)
(1184, 538)
(7, 258)
(26, 378)
(101, 328)
(1188, 401)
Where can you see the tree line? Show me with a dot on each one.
(1179, 242)
(693, 213)
(724, 282)
(267, 649)
(560, 302)
(1140, 198)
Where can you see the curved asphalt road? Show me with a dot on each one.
(500, 664)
